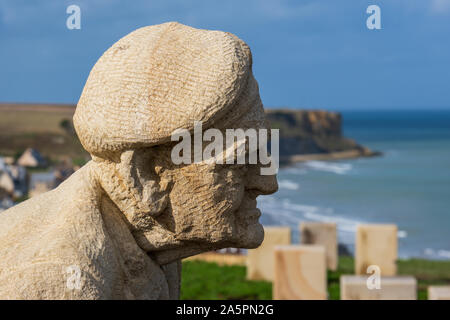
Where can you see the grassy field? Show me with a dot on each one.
(205, 280)
(39, 127)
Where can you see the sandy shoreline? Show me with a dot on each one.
(340, 155)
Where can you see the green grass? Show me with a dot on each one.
(205, 280)
(427, 272)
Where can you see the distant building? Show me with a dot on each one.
(13, 179)
(15, 182)
(31, 158)
(8, 160)
(6, 182)
(20, 178)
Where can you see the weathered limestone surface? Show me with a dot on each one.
(260, 261)
(322, 234)
(300, 273)
(376, 244)
(119, 226)
(392, 288)
(439, 293)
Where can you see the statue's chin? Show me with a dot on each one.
(252, 236)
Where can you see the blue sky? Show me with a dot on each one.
(308, 54)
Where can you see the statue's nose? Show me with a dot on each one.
(263, 184)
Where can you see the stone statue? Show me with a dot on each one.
(119, 226)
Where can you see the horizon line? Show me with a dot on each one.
(370, 109)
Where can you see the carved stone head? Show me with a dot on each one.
(150, 83)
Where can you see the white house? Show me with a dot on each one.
(31, 158)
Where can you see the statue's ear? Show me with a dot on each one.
(151, 186)
(133, 185)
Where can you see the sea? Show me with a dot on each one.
(409, 185)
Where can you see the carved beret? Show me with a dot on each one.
(161, 78)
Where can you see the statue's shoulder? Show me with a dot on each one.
(50, 241)
(53, 234)
(74, 199)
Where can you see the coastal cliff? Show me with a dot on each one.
(313, 135)
(304, 135)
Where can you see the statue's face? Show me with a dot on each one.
(211, 206)
(216, 204)
(200, 206)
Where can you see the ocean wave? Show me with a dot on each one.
(285, 212)
(288, 184)
(444, 254)
(342, 224)
(402, 234)
(295, 170)
(337, 168)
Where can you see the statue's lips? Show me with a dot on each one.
(250, 213)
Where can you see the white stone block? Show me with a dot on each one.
(376, 244)
(300, 273)
(321, 233)
(439, 293)
(391, 288)
(260, 260)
